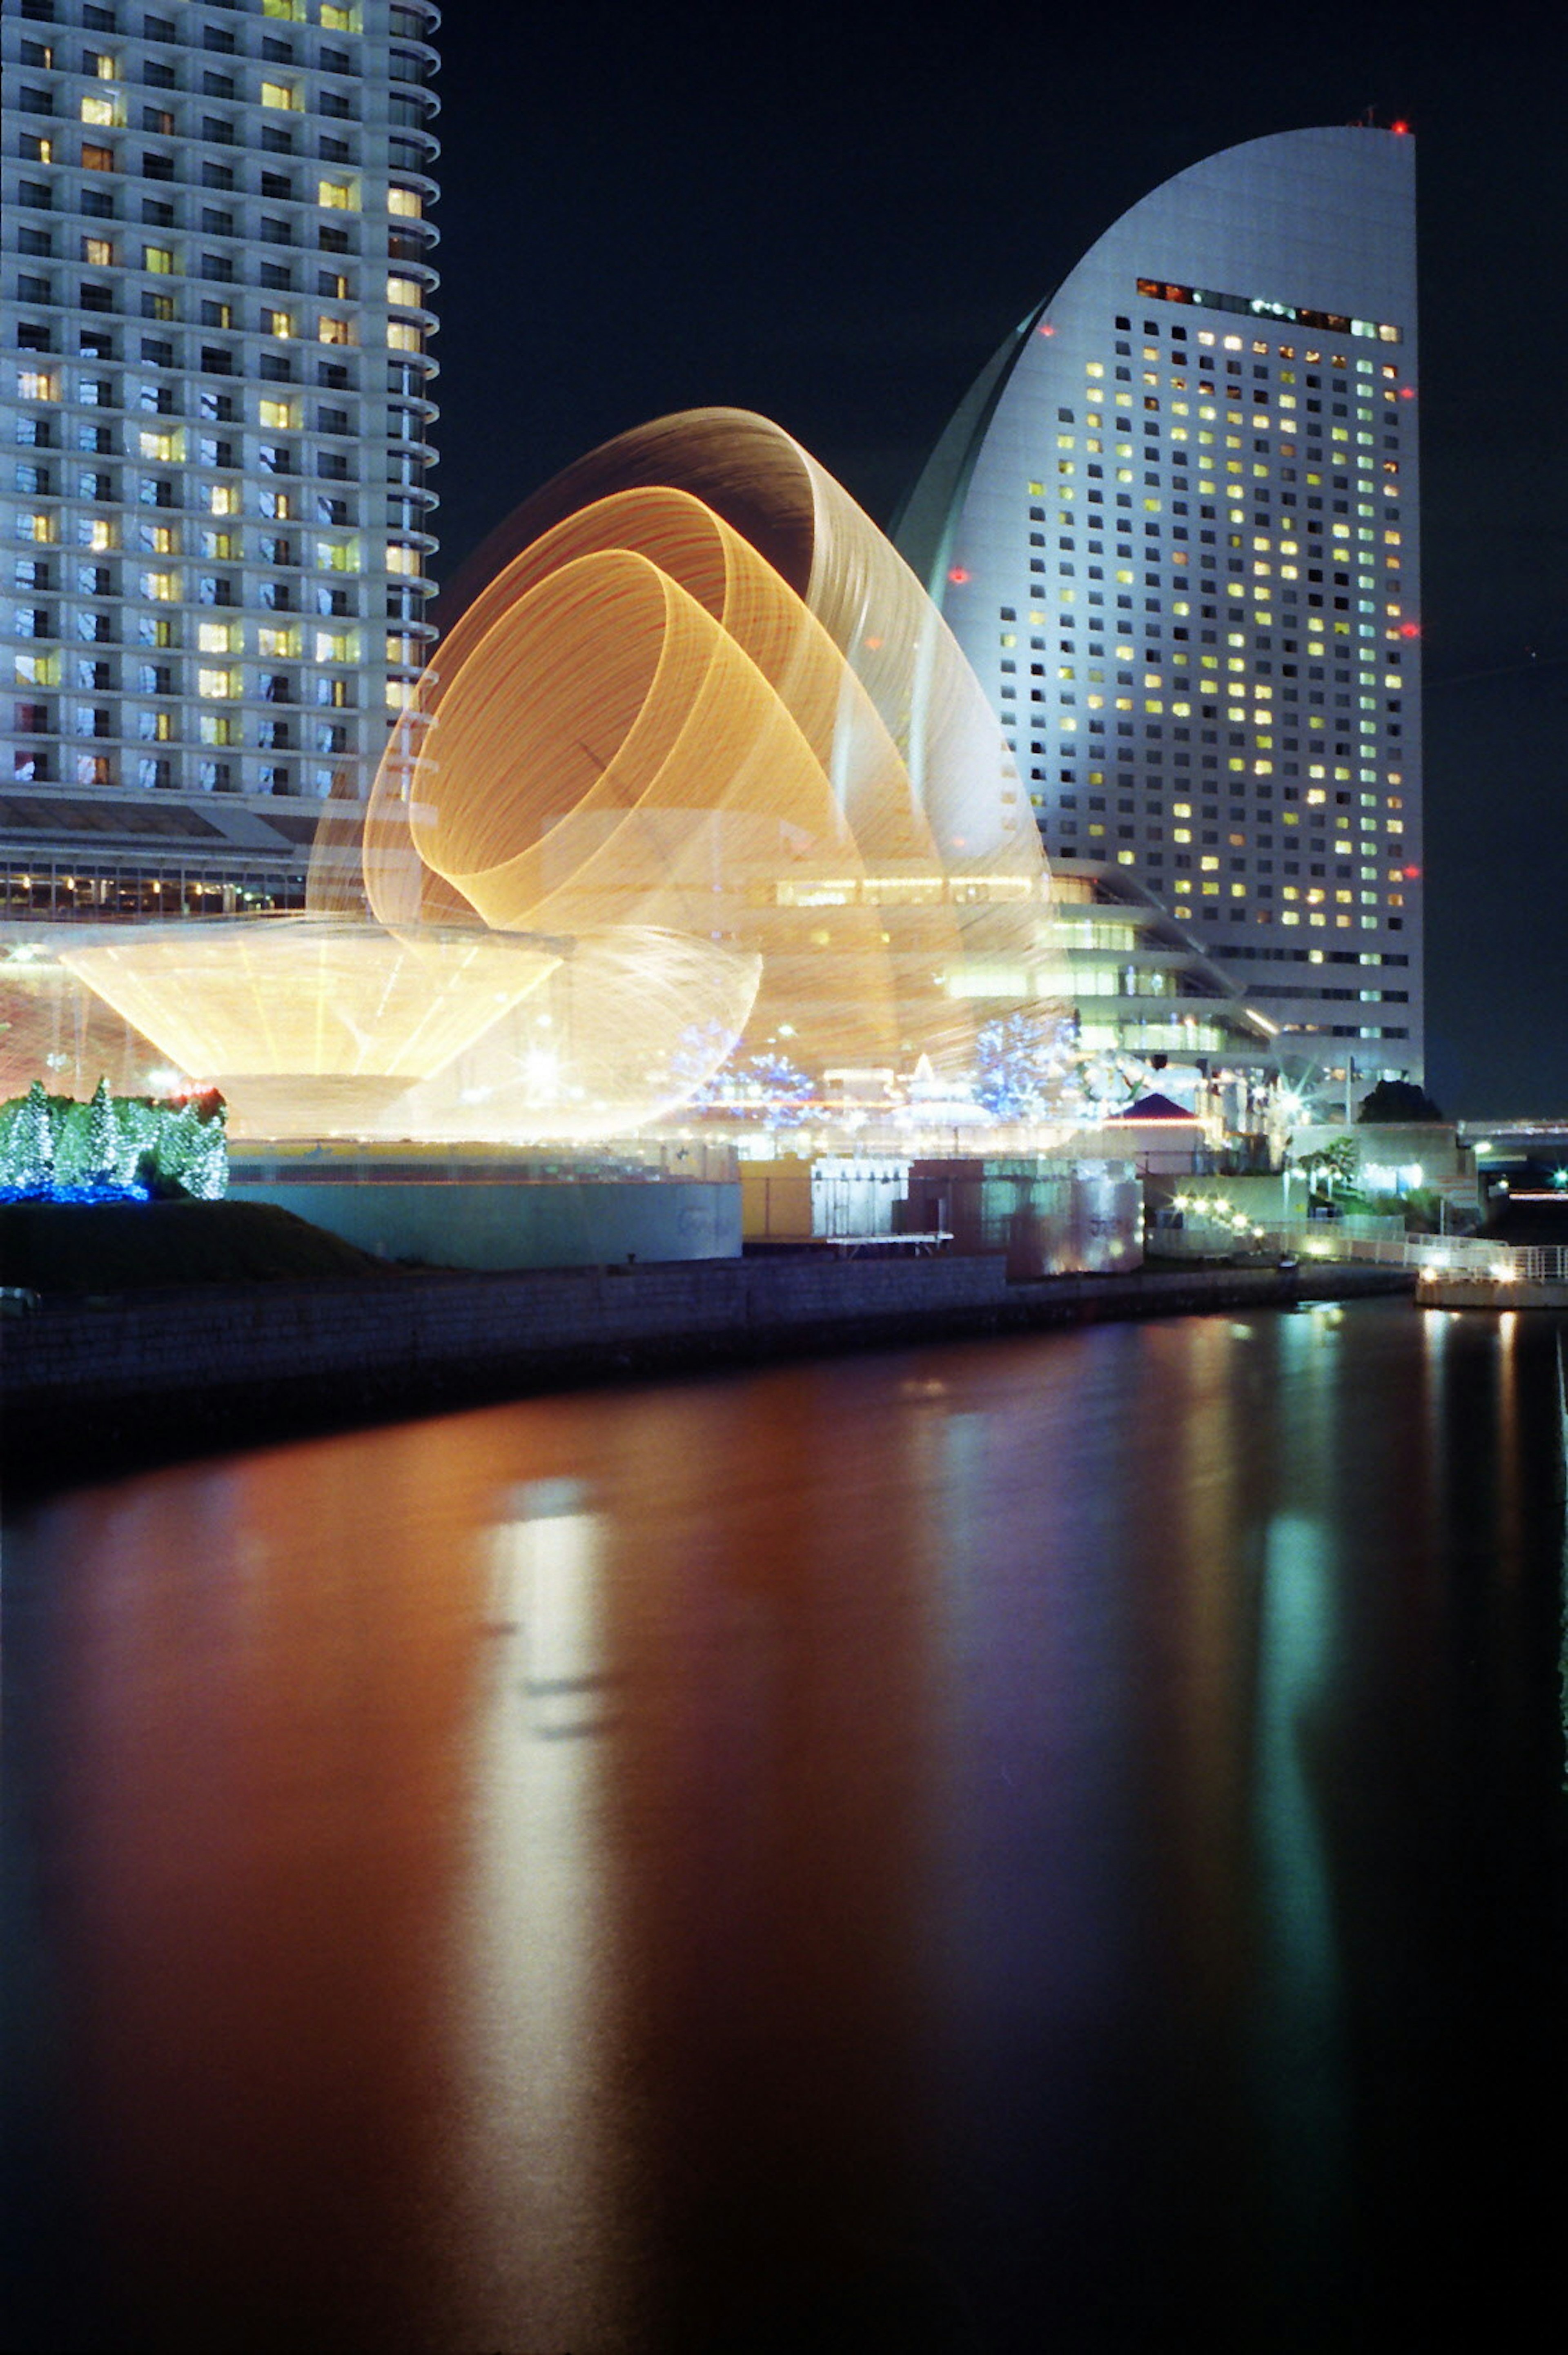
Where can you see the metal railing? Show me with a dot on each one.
(1429, 1255)
(1329, 1240)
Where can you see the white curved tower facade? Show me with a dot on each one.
(1174, 527)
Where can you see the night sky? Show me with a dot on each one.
(836, 217)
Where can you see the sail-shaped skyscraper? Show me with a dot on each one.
(1174, 527)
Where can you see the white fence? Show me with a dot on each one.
(1330, 1238)
(1439, 1255)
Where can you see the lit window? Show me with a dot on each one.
(404, 291)
(100, 532)
(98, 111)
(406, 202)
(216, 638)
(159, 259)
(280, 415)
(279, 94)
(167, 449)
(215, 685)
(400, 693)
(401, 557)
(34, 386)
(161, 588)
(277, 645)
(336, 196)
(338, 20)
(277, 323)
(98, 251)
(223, 498)
(333, 331)
(337, 645)
(402, 337)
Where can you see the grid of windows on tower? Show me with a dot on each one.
(1205, 672)
(218, 288)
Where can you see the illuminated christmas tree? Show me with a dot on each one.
(30, 1150)
(101, 1160)
(1021, 1064)
(205, 1171)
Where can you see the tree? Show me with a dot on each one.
(766, 1087)
(206, 1170)
(1021, 1062)
(1338, 1161)
(30, 1154)
(1395, 1101)
(101, 1162)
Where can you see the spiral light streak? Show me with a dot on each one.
(697, 762)
(303, 1020)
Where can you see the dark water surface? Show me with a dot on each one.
(1052, 1842)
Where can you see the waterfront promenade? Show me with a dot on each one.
(174, 1370)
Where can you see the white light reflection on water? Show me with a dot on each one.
(536, 2159)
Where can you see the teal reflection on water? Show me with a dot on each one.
(1295, 1669)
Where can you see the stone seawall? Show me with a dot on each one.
(175, 1371)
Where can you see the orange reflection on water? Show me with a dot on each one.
(772, 1807)
(260, 1823)
(491, 1872)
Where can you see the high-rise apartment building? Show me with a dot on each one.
(1174, 527)
(214, 428)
